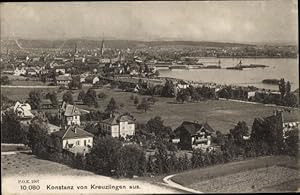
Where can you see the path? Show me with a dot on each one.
(171, 183)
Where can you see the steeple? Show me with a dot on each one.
(102, 45)
(75, 50)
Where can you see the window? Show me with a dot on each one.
(77, 142)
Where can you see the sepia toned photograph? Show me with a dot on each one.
(149, 97)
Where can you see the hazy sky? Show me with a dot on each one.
(239, 21)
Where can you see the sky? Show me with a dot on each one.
(235, 21)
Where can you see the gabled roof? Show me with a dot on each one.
(193, 127)
(72, 132)
(71, 110)
(116, 119)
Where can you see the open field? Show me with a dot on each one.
(255, 175)
(21, 94)
(173, 113)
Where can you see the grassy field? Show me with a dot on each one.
(255, 175)
(212, 111)
(26, 163)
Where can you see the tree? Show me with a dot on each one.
(282, 88)
(132, 97)
(136, 100)
(81, 95)
(37, 135)
(75, 83)
(144, 105)
(195, 96)
(292, 142)
(68, 97)
(156, 125)
(288, 87)
(132, 161)
(290, 99)
(90, 97)
(5, 80)
(34, 99)
(104, 156)
(240, 130)
(53, 98)
(11, 129)
(168, 89)
(182, 95)
(111, 106)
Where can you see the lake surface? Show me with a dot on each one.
(286, 68)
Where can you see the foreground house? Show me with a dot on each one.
(69, 114)
(75, 139)
(119, 125)
(193, 135)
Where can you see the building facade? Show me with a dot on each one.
(119, 125)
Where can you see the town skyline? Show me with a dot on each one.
(256, 21)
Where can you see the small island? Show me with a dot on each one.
(271, 81)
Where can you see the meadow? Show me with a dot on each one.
(222, 115)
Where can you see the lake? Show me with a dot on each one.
(287, 68)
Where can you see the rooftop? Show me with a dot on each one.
(72, 132)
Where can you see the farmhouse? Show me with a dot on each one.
(69, 114)
(119, 125)
(193, 135)
(75, 139)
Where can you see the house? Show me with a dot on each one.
(92, 79)
(53, 128)
(63, 80)
(75, 140)
(60, 71)
(105, 60)
(119, 125)
(31, 72)
(193, 135)
(182, 84)
(23, 111)
(69, 114)
(251, 94)
(19, 71)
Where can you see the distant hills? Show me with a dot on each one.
(120, 44)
